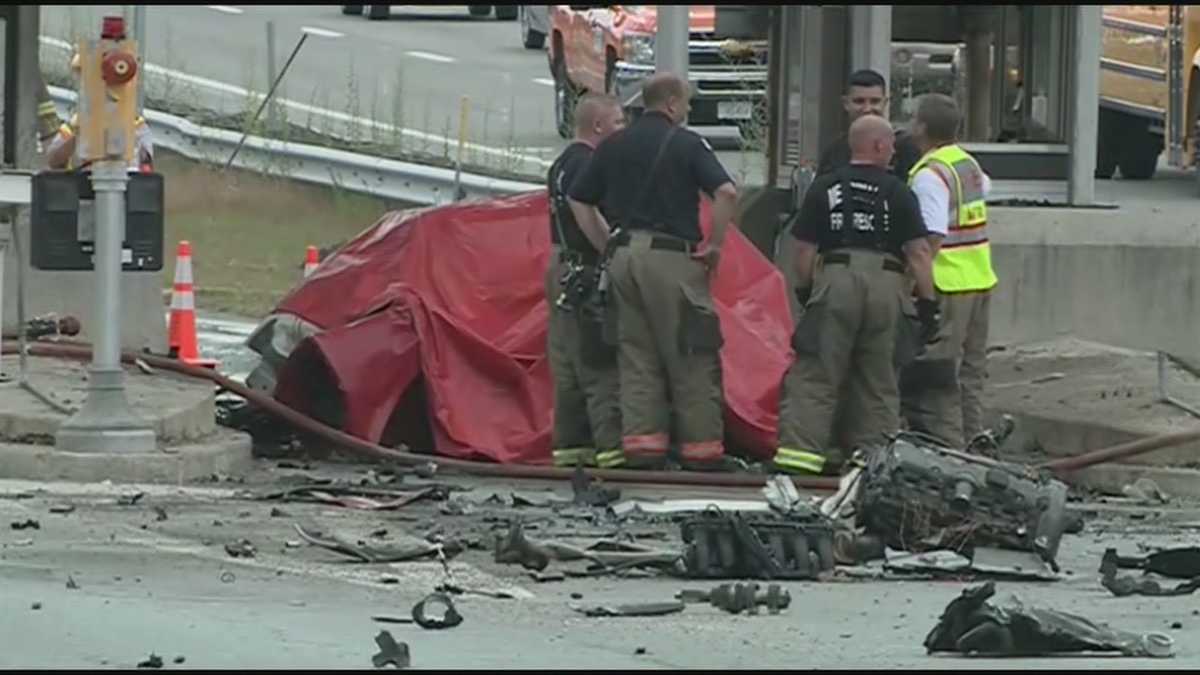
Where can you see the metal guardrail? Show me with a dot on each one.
(365, 174)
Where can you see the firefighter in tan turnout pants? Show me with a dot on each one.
(942, 391)
(587, 410)
(649, 178)
(866, 225)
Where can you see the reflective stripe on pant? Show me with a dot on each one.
(664, 381)
(943, 390)
(847, 333)
(587, 412)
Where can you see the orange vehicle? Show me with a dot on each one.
(610, 49)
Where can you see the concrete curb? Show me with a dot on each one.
(228, 452)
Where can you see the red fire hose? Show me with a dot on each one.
(342, 440)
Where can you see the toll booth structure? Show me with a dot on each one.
(1026, 77)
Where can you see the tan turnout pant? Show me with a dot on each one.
(587, 412)
(845, 344)
(669, 343)
(942, 391)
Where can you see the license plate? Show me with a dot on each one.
(735, 110)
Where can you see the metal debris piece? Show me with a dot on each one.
(1145, 491)
(389, 579)
(412, 549)
(62, 509)
(154, 661)
(587, 493)
(769, 546)
(738, 598)
(450, 616)
(29, 524)
(544, 577)
(919, 496)
(672, 506)
(143, 366)
(393, 619)
(450, 588)
(516, 548)
(1049, 377)
(636, 609)
(241, 549)
(292, 543)
(227, 577)
(178, 660)
(278, 513)
(130, 500)
(160, 514)
(365, 498)
(1124, 585)
(36, 606)
(71, 585)
(23, 542)
(972, 625)
(390, 652)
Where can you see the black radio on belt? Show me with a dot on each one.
(63, 222)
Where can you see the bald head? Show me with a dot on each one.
(667, 93)
(597, 116)
(872, 141)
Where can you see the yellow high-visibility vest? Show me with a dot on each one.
(964, 262)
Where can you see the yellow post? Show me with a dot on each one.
(107, 110)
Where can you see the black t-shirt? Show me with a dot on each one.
(886, 227)
(619, 175)
(838, 155)
(563, 172)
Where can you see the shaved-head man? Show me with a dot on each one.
(865, 225)
(587, 413)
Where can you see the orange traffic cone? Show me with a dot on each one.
(311, 259)
(182, 332)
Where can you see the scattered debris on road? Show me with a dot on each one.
(241, 549)
(160, 514)
(1177, 563)
(449, 618)
(1124, 585)
(154, 661)
(277, 512)
(738, 598)
(387, 552)
(130, 500)
(28, 524)
(390, 652)
(62, 509)
(722, 545)
(972, 625)
(23, 542)
(393, 619)
(364, 498)
(71, 585)
(178, 660)
(228, 577)
(636, 609)
(545, 577)
(1145, 491)
(588, 493)
(36, 606)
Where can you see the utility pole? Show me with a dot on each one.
(107, 110)
(671, 40)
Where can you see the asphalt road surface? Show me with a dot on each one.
(147, 583)
(410, 71)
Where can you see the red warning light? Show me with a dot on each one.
(113, 28)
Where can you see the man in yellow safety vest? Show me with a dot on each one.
(941, 392)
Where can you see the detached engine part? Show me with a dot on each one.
(917, 496)
(732, 546)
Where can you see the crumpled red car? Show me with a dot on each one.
(432, 330)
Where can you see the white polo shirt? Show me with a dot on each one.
(933, 195)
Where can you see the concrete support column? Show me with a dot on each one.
(671, 40)
(979, 85)
(871, 39)
(1085, 103)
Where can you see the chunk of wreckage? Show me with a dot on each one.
(915, 496)
(971, 624)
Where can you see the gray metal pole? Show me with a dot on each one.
(106, 424)
(1085, 104)
(671, 40)
(139, 35)
(273, 109)
(871, 39)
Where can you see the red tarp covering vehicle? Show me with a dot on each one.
(452, 299)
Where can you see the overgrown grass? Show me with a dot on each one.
(249, 232)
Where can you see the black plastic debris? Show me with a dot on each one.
(62, 509)
(424, 612)
(160, 514)
(1177, 563)
(71, 585)
(1124, 585)
(390, 652)
(154, 661)
(970, 624)
(28, 524)
(35, 606)
(178, 660)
